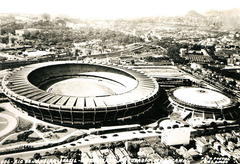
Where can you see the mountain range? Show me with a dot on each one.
(226, 19)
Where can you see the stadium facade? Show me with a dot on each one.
(194, 102)
(29, 90)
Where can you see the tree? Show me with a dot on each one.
(77, 52)
(120, 144)
(66, 152)
(76, 157)
(134, 149)
(23, 136)
(175, 126)
(196, 47)
(112, 147)
(173, 53)
(213, 124)
(47, 153)
(57, 153)
(232, 83)
(132, 62)
(37, 156)
(78, 151)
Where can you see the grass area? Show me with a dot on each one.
(54, 133)
(33, 135)
(23, 125)
(70, 130)
(15, 141)
(81, 86)
(55, 136)
(76, 135)
(46, 128)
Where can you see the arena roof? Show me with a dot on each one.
(202, 97)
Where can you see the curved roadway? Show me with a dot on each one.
(11, 122)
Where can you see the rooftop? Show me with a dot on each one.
(202, 97)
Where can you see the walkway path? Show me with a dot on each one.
(11, 121)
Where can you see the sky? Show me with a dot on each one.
(112, 9)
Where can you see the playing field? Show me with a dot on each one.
(85, 87)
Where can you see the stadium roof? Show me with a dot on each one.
(202, 97)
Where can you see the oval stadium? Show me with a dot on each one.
(81, 94)
(204, 103)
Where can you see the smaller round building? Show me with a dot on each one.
(204, 103)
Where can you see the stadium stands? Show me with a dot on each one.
(27, 89)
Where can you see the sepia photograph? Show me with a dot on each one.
(119, 82)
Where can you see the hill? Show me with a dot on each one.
(229, 19)
(193, 13)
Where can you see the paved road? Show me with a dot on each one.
(83, 143)
(11, 122)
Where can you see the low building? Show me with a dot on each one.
(225, 152)
(213, 152)
(237, 134)
(28, 31)
(231, 61)
(230, 137)
(231, 146)
(196, 66)
(36, 54)
(2, 46)
(217, 146)
(209, 139)
(220, 138)
(146, 151)
(202, 146)
(184, 152)
(236, 154)
(238, 144)
(22, 32)
(193, 152)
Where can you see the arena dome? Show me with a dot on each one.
(204, 102)
(202, 97)
(73, 93)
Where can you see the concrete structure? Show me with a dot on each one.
(179, 136)
(202, 146)
(27, 90)
(196, 66)
(28, 31)
(21, 32)
(166, 76)
(36, 54)
(204, 103)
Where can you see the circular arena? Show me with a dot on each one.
(81, 94)
(204, 103)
